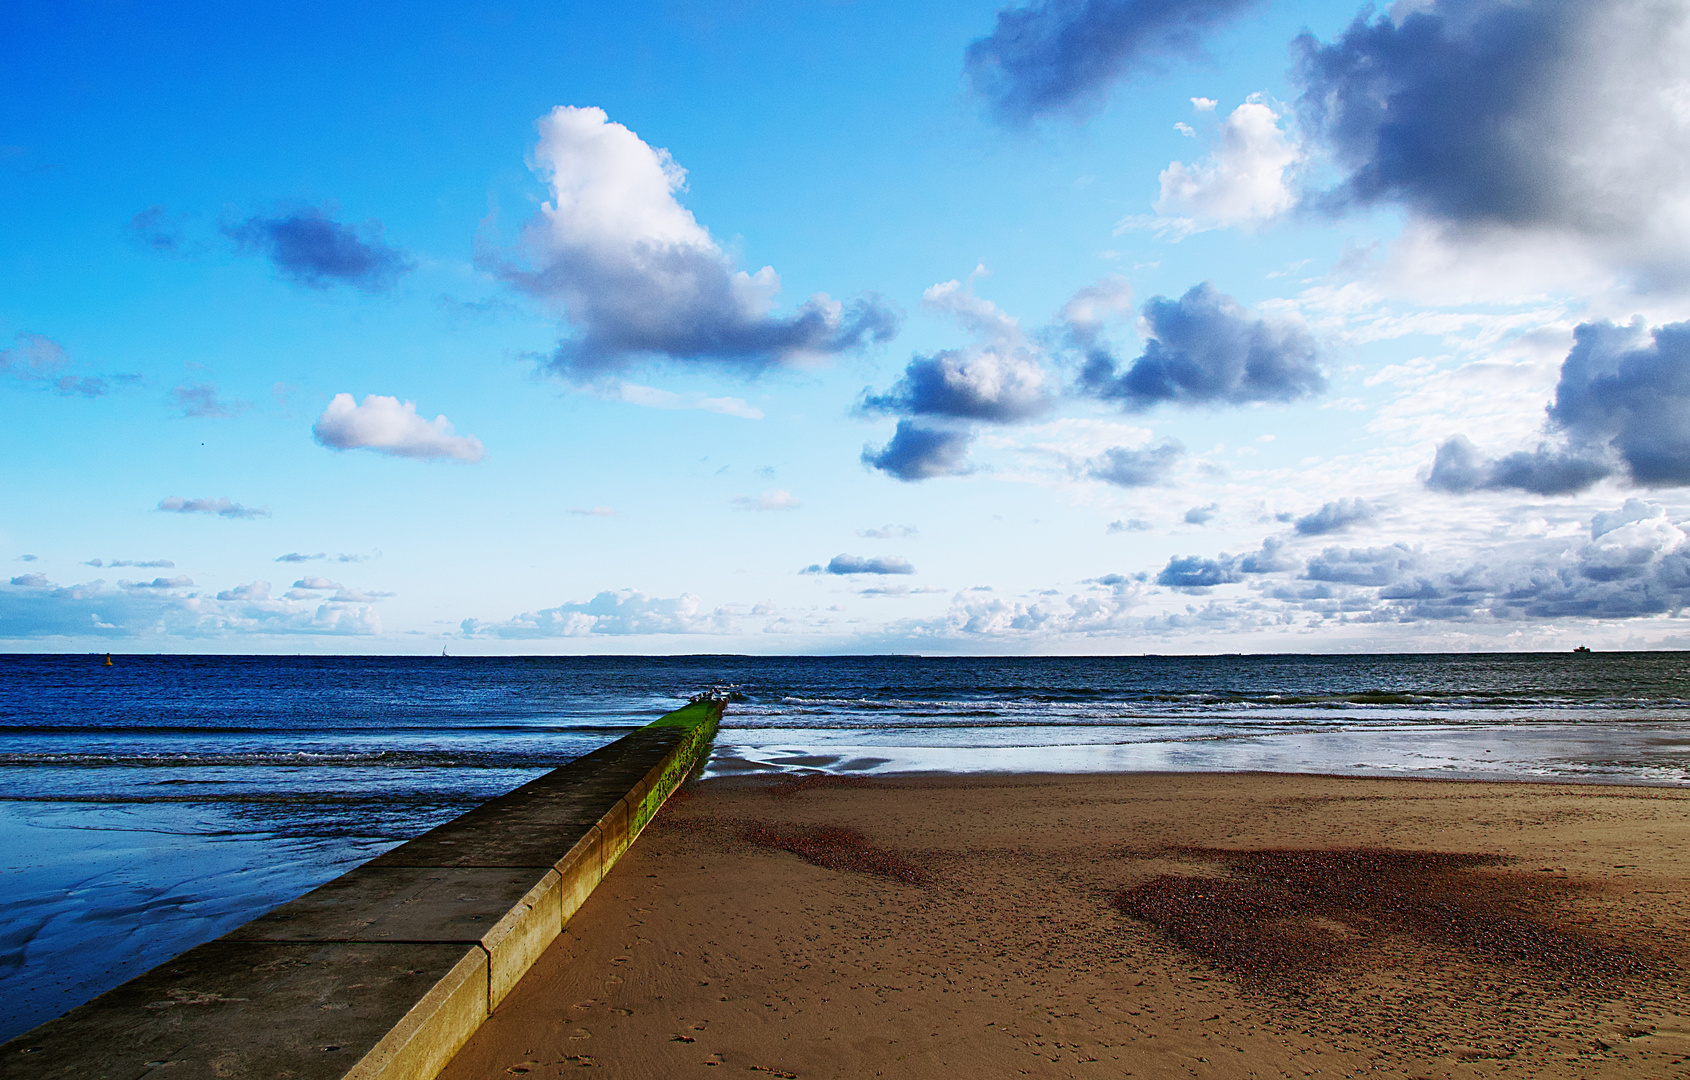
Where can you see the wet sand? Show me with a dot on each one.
(1146, 925)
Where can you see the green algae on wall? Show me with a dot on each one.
(700, 719)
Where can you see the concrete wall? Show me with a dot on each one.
(384, 972)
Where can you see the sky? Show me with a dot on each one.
(1076, 326)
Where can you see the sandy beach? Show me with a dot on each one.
(1150, 925)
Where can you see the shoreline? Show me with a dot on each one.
(1066, 925)
(791, 773)
(1627, 750)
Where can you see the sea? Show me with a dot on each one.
(158, 802)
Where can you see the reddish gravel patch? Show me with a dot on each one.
(835, 848)
(1288, 915)
(786, 789)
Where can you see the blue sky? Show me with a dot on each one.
(1077, 326)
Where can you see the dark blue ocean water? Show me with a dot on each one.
(157, 803)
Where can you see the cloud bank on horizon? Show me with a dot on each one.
(1342, 328)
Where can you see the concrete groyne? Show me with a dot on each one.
(384, 972)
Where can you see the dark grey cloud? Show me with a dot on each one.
(32, 581)
(1335, 517)
(999, 378)
(1479, 114)
(1206, 349)
(1628, 389)
(1622, 404)
(1202, 515)
(1664, 590)
(1135, 468)
(1425, 598)
(862, 564)
(1458, 467)
(175, 504)
(308, 247)
(1063, 55)
(1447, 109)
(1362, 566)
(919, 452)
(1545, 471)
(200, 401)
(1196, 572)
(999, 386)
(685, 304)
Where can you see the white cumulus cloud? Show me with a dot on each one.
(390, 426)
(1245, 179)
(640, 279)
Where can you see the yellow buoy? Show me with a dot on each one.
(108, 659)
